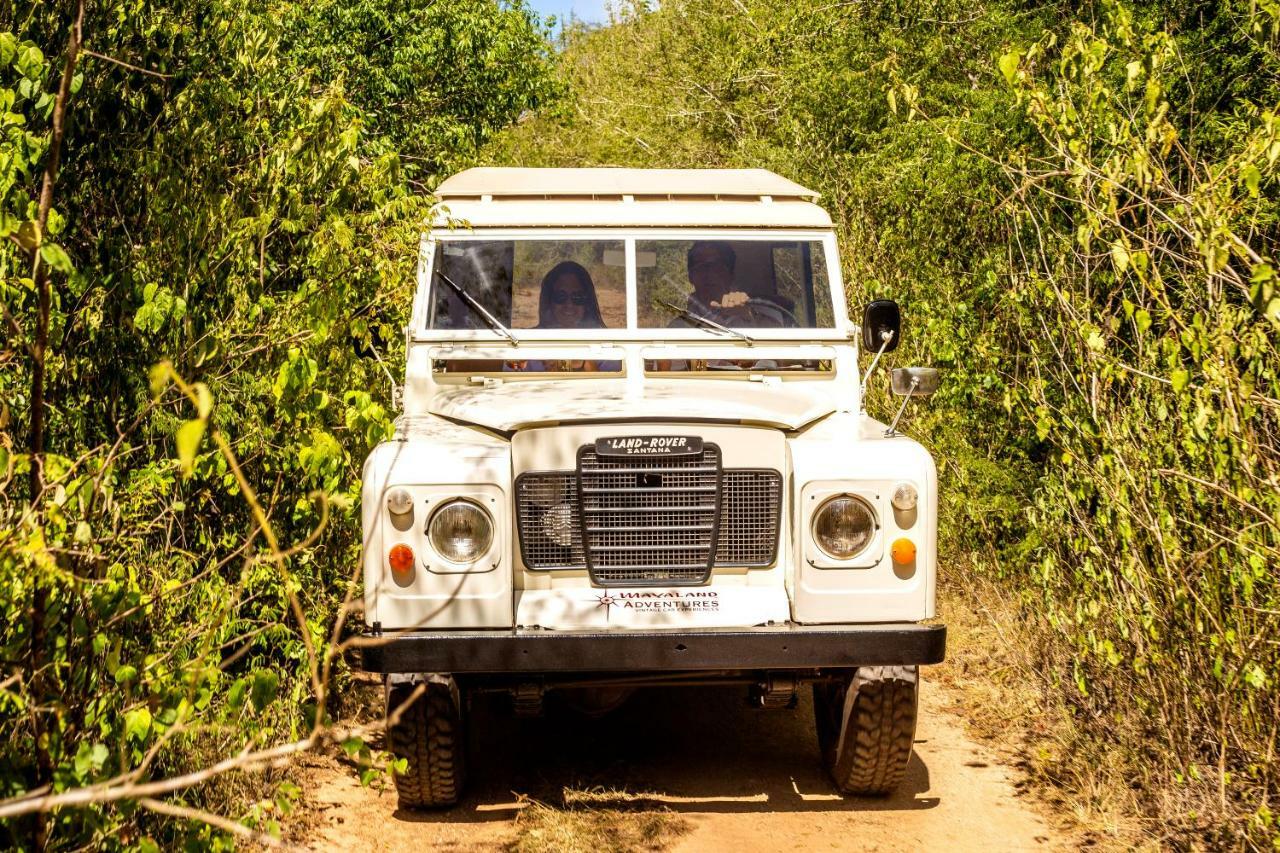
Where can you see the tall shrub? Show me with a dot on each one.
(229, 256)
(1146, 279)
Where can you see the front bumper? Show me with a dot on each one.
(780, 647)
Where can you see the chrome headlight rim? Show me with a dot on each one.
(484, 516)
(826, 505)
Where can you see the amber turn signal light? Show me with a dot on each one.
(401, 558)
(904, 551)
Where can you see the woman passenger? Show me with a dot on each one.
(568, 299)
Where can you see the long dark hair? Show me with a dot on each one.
(590, 312)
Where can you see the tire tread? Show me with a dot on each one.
(871, 753)
(428, 736)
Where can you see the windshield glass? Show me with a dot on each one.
(564, 284)
(742, 284)
(531, 284)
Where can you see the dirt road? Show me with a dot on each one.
(736, 779)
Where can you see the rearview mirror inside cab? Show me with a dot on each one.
(881, 317)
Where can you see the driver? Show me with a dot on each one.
(711, 272)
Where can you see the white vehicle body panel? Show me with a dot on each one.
(520, 405)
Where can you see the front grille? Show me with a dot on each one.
(649, 532)
(649, 520)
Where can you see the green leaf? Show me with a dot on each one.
(137, 724)
(160, 375)
(89, 759)
(265, 684)
(1120, 256)
(1180, 378)
(235, 696)
(1251, 177)
(352, 746)
(28, 236)
(204, 399)
(57, 259)
(1142, 319)
(1009, 65)
(1133, 71)
(125, 673)
(188, 440)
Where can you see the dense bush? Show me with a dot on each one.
(1077, 208)
(227, 254)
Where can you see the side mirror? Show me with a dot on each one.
(915, 381)
(911, 382)
(881, 317)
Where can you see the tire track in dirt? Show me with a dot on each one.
(742, 779)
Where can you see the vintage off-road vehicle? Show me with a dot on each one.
(633, 452)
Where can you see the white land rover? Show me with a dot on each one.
(633, 452)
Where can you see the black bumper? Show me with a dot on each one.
(775, 648)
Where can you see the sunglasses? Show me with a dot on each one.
(560, 298)
(707, 264)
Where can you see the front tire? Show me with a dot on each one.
(866, 724)
(429, 737)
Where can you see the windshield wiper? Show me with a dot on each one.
(688, 315)
(493, 321)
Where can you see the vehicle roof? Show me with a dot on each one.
(607, 197)
(609, 182)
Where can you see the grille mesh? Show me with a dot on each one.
(749, 518)
(547, 516)
(641, 534)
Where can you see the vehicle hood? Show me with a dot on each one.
(517, 405)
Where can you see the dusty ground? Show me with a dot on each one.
(736, 779)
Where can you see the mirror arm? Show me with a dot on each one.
(892, 430)
(885, 337)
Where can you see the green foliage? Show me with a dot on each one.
(1158, 379)
(231, 242)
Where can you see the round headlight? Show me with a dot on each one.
(905, 497)
(460, 531)
(843, 526)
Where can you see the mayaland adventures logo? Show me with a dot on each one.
(660, 601)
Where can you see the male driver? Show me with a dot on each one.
(711, 272)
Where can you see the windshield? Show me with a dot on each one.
(582, 284)
(742, 284)
(531, 284)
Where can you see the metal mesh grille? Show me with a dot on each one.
(749, 513)
(649, 520)
(646, 534)
(547, 516)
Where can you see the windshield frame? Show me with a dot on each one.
(841, 331)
